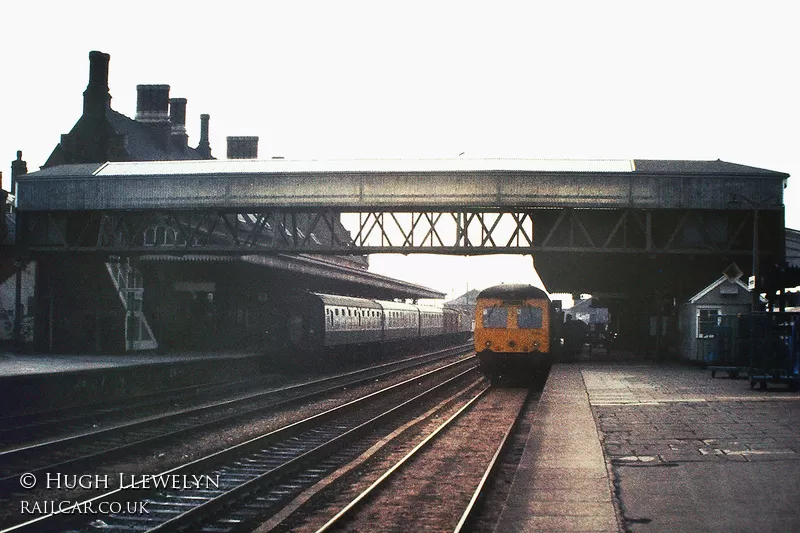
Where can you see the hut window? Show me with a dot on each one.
(707, 320)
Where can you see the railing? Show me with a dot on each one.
(130, 289)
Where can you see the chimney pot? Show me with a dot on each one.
(177, 115)
(177, 119)
(242, 147)
(152, 103)
(204, 147)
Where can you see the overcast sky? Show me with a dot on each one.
(686, 80)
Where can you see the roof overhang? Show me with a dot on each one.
(369, 282)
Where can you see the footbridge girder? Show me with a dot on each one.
(459, 206)
(455, 231)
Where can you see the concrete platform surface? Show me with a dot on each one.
(562, 483)
(664, 449)
(31, 383)
(25, 364)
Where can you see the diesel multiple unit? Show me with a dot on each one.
(513, 329)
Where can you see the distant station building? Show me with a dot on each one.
(158, 132)
(90, 303)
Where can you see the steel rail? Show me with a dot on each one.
(366, 375)
(237, 451)
(190, 516)
(490, 470)
(15, 428)
(361, 498)
(168, 396)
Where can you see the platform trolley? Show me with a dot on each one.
(724, 352)
(773, 348)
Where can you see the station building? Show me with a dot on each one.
(91, 304)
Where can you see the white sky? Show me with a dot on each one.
(684, 80)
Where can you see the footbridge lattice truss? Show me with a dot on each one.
(462, 207)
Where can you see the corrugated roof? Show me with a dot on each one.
(666, 166)
(290, 166)
(304, 264)
(246, 166)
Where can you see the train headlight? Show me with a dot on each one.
(488, 343)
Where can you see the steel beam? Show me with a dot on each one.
(458, 232)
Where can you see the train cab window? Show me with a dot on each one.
(529, 317)
(495, 317)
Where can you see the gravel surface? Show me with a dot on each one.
(430, 492)
(496, 490)
(178, 453)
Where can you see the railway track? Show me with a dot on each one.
(89, 448)
(257, 477)
(437, 485)
(41, 426)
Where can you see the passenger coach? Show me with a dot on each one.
(326, 327)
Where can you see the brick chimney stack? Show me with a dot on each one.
(152, 108)
(204, 147)
(242, 147)
(96, 98)
(152, 103)
(18, 168)
(177, 119)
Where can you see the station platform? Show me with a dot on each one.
(619, 447)
(33, 382)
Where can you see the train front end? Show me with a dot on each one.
(513, 325)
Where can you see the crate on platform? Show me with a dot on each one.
(724, 353)
(771, 344)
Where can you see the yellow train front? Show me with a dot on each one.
(513, 331)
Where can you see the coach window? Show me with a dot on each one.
(529, 317)
(495, 317)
